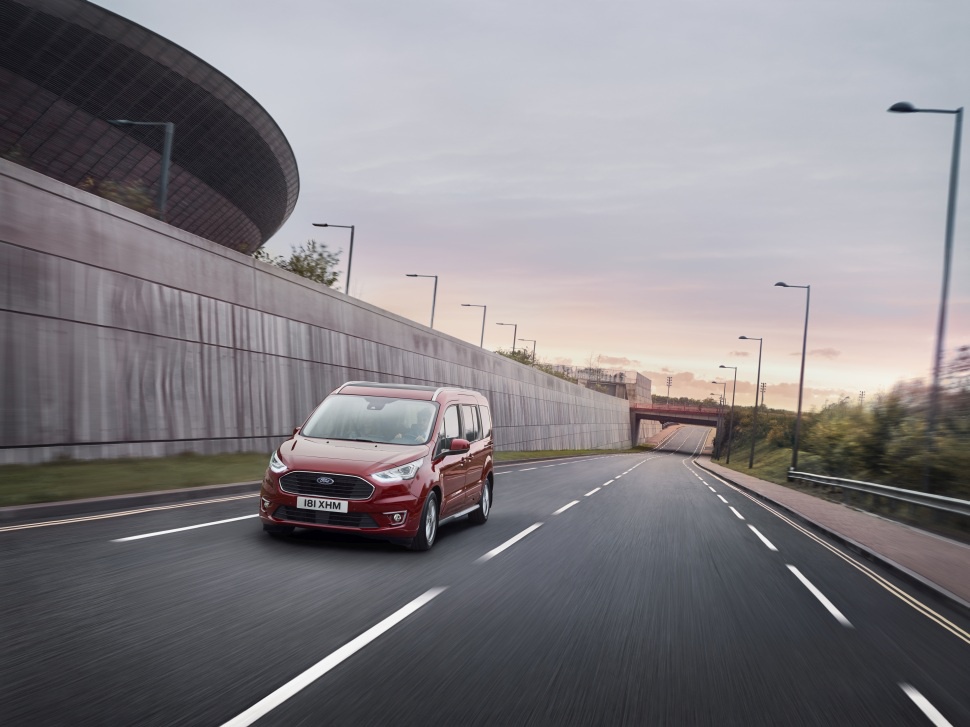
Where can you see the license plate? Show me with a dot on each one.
(316, 503)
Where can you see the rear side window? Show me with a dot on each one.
(469, 418)
(486, 421)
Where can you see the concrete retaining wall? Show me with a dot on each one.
(121, 336)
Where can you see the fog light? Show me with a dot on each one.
(266, 504)
(396, 518)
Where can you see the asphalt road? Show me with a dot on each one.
(631, 590)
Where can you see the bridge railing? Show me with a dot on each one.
(674, 409)
(913, 497)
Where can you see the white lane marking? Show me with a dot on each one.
(124, 513)
(566, 507)
(549, 465)
(528, 469)
(763, 538)
(722, 499)
(740, 516)
(606, 483)
(276, 698)
(931, 712)
(508, 543)
(617, 477)
(712, 489)
(830, 607)
(592, 492)
(179, 530)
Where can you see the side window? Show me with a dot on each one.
(486, 421)
(469, 417)
(450, 428)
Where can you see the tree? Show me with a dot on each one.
(312, 261)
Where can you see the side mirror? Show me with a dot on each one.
(459, 445)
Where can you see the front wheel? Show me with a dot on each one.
(428, 528)
(480, 515)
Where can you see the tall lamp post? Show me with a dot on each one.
(515, 329)
(734, 390)
(166, 157)
(670, 380)
(720, 408)
(907, 108)
(529, 340)
(481, 343)
(350, 253)
(434, 294)
(801, 376)
(757, 386)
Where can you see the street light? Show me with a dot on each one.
(801, 376)
(529, 340)
(720, 421)
(670, 380)
(754, 418)
(734, 390)
(515, 329)
(434, 295)
(166, 156)
(907, 108)
(350, 253)
(481, 344)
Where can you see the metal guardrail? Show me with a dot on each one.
(913, 497)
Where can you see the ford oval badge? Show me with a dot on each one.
(324, 481)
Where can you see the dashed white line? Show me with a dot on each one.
(528, 469)
(179, 530)
(764, 540)
(722, 499)
(276, 698)
(740, 516)
(712, 489)
(508, 543)
(606, 483)
(566, 507)
(592, 492)
(931, 712)
(549, 465)
(829, 606)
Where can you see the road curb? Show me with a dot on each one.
(48, 510)
(915, 579)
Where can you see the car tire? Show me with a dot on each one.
(428, 527)
(278, 531)
(480, 515)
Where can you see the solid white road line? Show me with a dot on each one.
(592, 492)
(740, 516)
(722, 499)
(275, 699)
(763, 538)
(178, 530)
(566, 507)
(508, 543)
(830, 607)
(931, 712)
(606, 483)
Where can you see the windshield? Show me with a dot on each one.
(372, 419)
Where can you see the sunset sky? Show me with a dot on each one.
(626, 181)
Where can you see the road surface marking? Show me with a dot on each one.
(740, 516)
(528, 469)
(592, 492)
(712, 489)
(275, 699)
(931, 712)
(763, 538)
(723, 500)
(124, 513)
(617, 477)
(179, 530)
(566, 507)
(829, 606)
(508, 543)
(606, 483)
(549, 465)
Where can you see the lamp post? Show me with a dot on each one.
(481, 343)
(734, 390)
(907, 108)
(350, 253)
(801, 376)
(720, 421)
(166, 157)
(670, 380)
(529, 340)
(434, 294)
(754, 418)
(515, 329)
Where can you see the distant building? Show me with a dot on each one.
(630, 385)
(67, 67)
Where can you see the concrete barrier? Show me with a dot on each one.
(124, 337)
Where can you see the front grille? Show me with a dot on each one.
(344, 487)
(313, 517)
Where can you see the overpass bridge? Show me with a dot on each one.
(702, 416)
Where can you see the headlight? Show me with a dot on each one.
(399, 474)
(276, 464)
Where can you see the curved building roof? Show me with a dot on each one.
(68, 66)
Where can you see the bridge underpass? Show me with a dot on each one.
(705, 417)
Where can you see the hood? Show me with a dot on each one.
(343, 457)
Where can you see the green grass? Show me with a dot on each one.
(73, 480)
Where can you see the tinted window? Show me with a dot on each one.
(486, 421)
(469, 419)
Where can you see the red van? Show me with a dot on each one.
(393, 461)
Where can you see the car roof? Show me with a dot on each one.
(404, 391)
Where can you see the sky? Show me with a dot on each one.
(626, 181)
